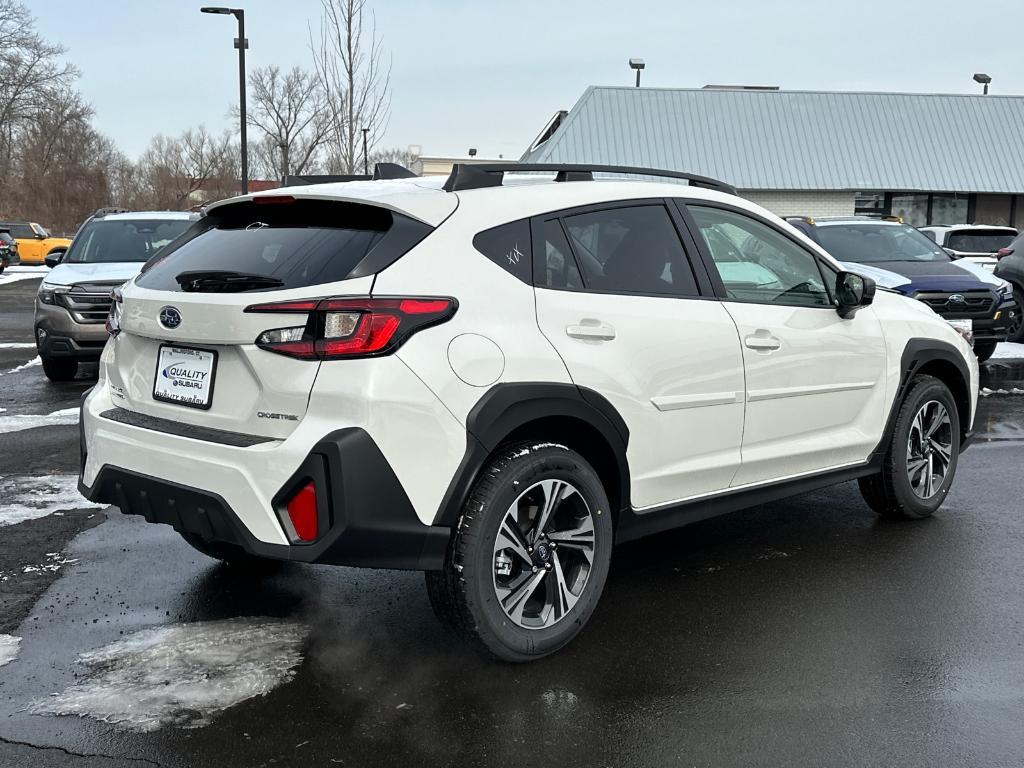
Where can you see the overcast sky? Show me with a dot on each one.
(489, 74)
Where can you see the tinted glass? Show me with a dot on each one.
(5, 237)
(979, 240)
(867, 243)
(757, 263)
(560, 269)
(286, 246)
(20, 231)
(102, 241)
(508, 246)
(631, 250)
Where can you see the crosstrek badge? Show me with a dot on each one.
(185, 376)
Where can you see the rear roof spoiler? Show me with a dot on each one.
(465, 176)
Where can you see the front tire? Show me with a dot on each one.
(60, 368)
(921, 459)
(984, 350)
(529, 559)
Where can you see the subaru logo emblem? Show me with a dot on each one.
(956, 300)
(170, 318)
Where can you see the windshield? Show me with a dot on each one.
(104, 242)
(867, 243)
(980, 240)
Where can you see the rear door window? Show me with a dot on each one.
(631, 249)
(558, 266)
(248, 246)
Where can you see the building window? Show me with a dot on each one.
(869, 204)
(948, 209)
(913, 209)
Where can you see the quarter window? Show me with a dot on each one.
(632, 249)
(508, 246)
(756, 263)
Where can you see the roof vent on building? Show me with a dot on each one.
(741, 88)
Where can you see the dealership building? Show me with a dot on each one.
(930, 158)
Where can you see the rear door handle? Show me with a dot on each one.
(762, 342)
(591, 329)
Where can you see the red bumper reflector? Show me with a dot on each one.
(302, 513)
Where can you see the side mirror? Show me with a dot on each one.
(54, 258)
(853, 292)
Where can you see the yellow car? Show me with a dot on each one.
(34, 242)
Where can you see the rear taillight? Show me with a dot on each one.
(1004, 252)
(302, 514)
(351, 327)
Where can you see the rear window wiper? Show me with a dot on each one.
(224, 281)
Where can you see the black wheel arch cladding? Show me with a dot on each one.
(511, 411)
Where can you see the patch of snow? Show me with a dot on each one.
(14, 274)
(1008, 350)
(181, 675)
(9, 645)
(30, 364)
(17, 344)
(26, 497)
(32, 421)
(54, 562)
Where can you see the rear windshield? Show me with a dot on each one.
(979, 240)
(106, 241)
(876, 242)
(251, 247)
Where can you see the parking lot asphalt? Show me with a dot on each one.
(806, 632)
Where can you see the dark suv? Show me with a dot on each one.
(8, 250)
(900, 258)
(1011, 268)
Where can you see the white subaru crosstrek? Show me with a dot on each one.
(494, 380)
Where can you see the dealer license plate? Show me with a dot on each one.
(185, 376)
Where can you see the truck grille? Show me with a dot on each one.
(973, 304)
(89, 303)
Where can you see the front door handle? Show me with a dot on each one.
(762, 342)
(591, 330)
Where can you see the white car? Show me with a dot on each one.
(497, 382)
(74, 298)
(979, 243)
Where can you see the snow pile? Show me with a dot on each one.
(183, 674)
(30, 364)
(9, 645)
(25, 497)
(17, 345)
(1008, 350)
(14, 274)
(31, 421)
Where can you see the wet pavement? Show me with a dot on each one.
(806, 632)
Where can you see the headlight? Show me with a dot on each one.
(1005, 289)
(48, 292)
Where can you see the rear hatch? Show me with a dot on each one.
(186, 348)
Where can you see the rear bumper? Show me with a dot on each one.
(366, 517)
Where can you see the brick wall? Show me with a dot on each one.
(803, 203)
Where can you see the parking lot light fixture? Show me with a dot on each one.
(638, 65)
(984, 80)
(241, 44)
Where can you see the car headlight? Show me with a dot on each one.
(1005, 289)
(48, 292)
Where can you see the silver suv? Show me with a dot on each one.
(74, 298)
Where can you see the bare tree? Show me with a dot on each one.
(355, 79)
(196, 166)
(396, 155)
(289, 109)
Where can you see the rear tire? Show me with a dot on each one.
(232, 555)
(927, 428)
(983, 350)
(60, 368)
(521, 593)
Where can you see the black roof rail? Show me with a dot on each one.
(479, 176)
(391, 171)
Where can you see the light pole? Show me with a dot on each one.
(638, 65)
(366, 157)
(984, 80)
(241, 44)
